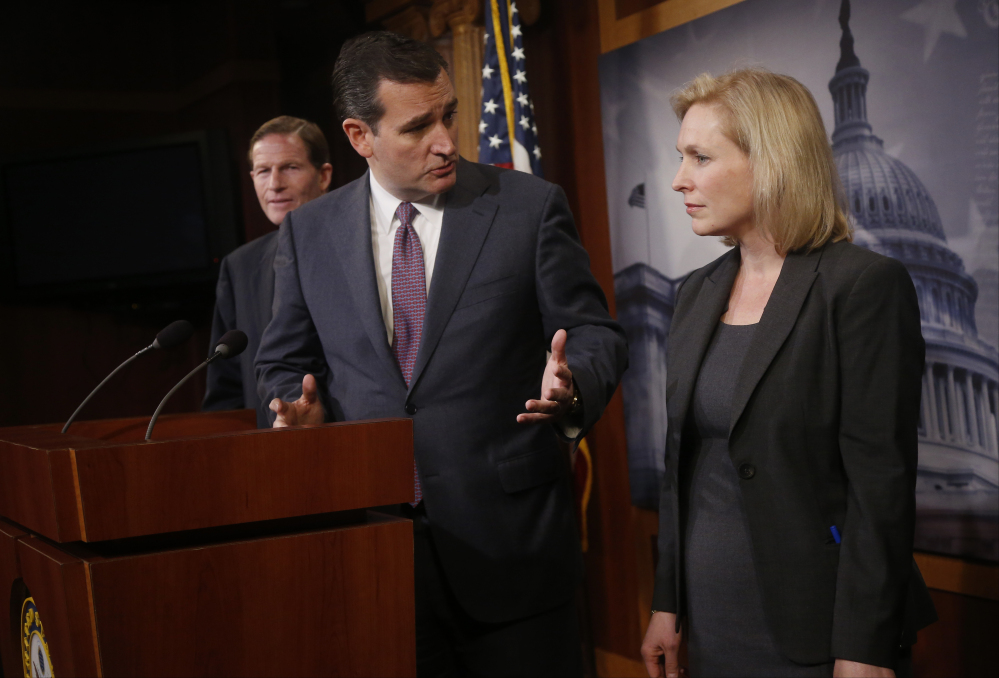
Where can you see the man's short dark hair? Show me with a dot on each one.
(308, 132)
(368, 59)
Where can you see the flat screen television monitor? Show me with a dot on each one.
(146, 214)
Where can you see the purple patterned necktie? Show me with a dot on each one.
(409, 302)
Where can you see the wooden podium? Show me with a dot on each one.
(215, 549)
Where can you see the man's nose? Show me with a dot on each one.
(275, 181)
(442, 144)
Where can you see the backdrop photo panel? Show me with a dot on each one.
(922, 180)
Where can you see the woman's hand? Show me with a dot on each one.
(661, 647)
(847, 669)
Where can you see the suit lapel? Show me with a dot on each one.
(350, 238)
(795, 280)
(468, 216)
(689, 343)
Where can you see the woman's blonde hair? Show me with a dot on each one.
(797, 194)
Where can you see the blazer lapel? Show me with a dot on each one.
(689, 343)
(795, 280)
(350, 235)
(468, 216)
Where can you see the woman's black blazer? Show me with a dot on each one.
(823, 433)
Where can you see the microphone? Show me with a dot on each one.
(230, 345)
(174, 334)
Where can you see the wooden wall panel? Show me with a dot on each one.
(562, 51)
(963, 642)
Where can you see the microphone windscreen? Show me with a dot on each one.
(232, 343)
(174, 334)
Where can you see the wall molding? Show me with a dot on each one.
(615, 33)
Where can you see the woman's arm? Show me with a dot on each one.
(881, 352)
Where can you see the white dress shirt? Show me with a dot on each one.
(384, 223)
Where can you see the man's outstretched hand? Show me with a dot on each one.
(557, 389)
(305, 410)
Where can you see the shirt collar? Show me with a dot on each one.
(385, 204)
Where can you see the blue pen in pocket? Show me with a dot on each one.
(835, 533)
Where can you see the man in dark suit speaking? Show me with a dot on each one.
(432, 288)
(289, 165)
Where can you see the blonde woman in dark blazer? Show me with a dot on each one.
(787, 509)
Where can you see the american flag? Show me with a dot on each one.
(507, 110)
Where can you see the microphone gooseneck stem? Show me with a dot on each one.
(101, 385)
(159, 408)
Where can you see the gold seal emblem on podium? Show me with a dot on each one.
(34, 647)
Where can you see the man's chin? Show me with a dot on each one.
(276, 216)
(444, 183)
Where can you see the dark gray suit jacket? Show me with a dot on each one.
(243, 297)
(510, 271)
(824, 424)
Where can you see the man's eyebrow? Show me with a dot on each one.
(413, 122)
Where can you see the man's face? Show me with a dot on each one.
(415, 152)
(283, 176)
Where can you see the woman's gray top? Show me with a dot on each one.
(727, 633)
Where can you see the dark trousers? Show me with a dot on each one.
(451, 643)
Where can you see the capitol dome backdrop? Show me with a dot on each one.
(910, 96)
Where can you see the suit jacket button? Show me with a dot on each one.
(410, 408)
(747, 471)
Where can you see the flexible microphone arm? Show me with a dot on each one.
(174, 334)
(118, 369)
(159, 408)
(230, 345)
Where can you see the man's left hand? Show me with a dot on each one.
(557, 389)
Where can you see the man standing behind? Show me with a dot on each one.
(431, 288)
(290, 165)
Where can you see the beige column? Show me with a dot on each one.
(983, 413)
(462, 17)
(930, 405)
(956, 428)
(971, 412)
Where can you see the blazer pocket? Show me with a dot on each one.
(486, 291)
(529, 470)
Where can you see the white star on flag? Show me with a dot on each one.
(483, 126)
(524, 122)
(490, 106)
(495, 141)
(534, 128)
(520, 77)
(515, 31)
(537, 152)
(487, 72)
(522, 99)
(485, 38)
(513, 8)
(937, 16)
(518, 53)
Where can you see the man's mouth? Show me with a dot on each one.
(443, 170)
(692, 207)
